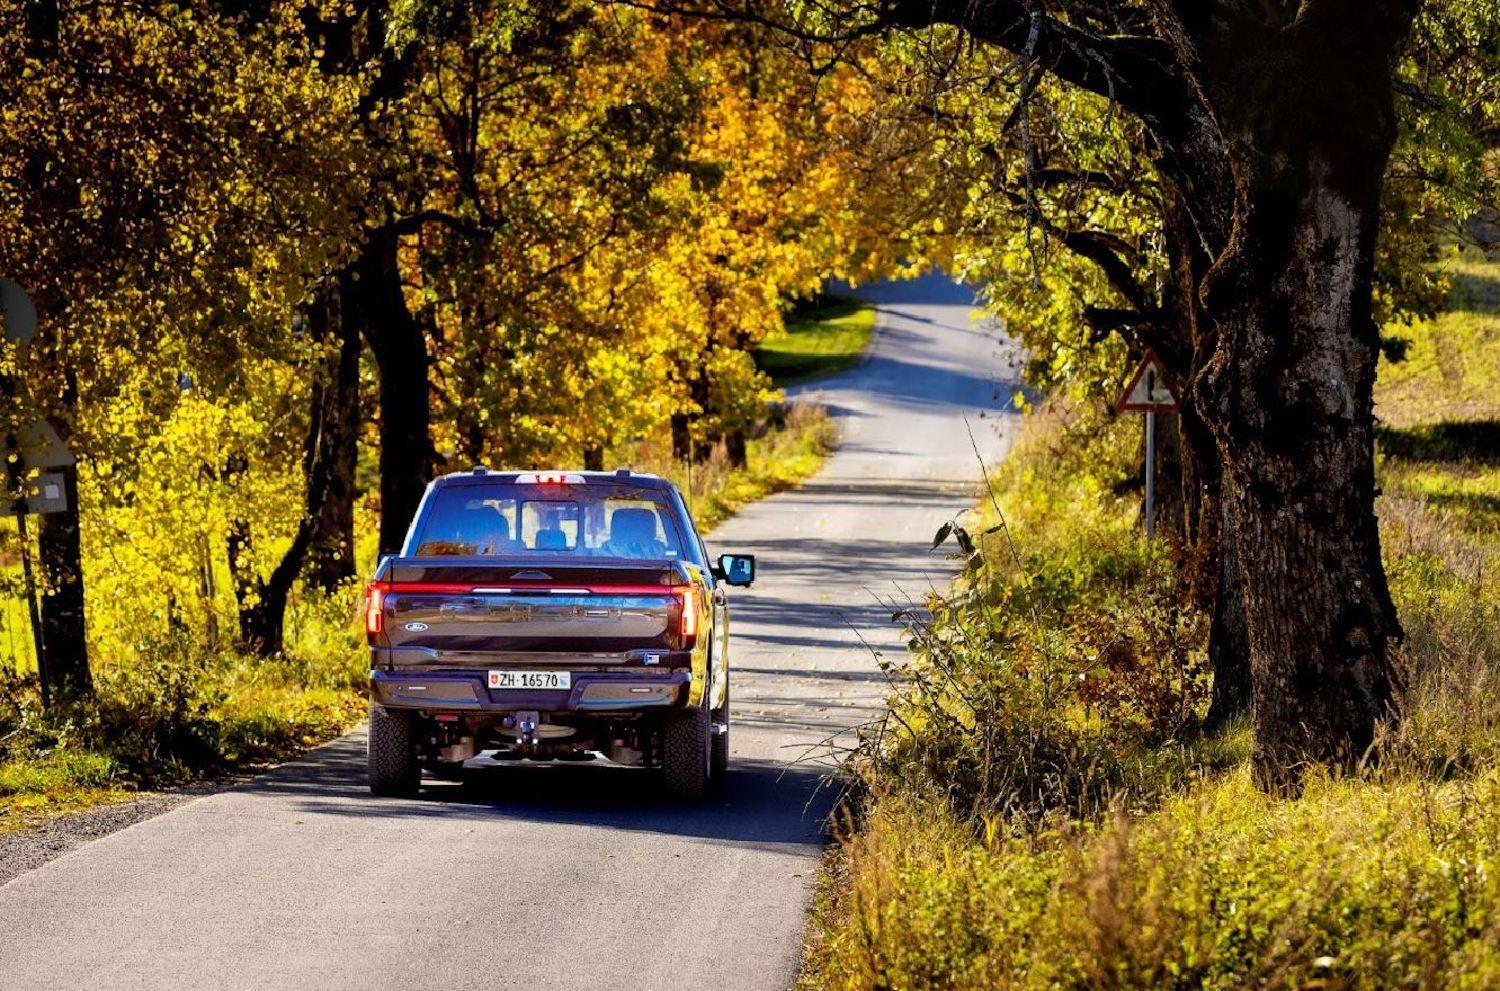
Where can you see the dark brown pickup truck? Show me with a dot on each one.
(555, 616)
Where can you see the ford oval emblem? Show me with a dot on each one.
(416, 627)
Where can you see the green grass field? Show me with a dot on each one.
(818, 341)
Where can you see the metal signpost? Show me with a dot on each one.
(29, 450)
(1149, 391)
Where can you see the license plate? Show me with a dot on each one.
(541, 680)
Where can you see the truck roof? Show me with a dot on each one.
(483, 476)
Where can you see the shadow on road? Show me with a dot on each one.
(760, 803)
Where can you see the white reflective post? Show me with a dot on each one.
(1150, 474)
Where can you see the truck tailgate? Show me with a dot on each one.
(462, 613)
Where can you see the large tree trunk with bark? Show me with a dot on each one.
(1308, 124)
(331, 556)
(1274, 122)
(1292, 408)
(396, 339)
(64, 632)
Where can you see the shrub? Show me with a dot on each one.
(1051, 672)
(155, 716)
(1041, 814)
(1352, 887)
(58, 770)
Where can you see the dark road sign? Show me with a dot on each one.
(18, 312)
(1149, 389)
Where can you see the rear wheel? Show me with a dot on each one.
(686, 758)
(393, 753)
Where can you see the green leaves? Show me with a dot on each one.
(969, 548)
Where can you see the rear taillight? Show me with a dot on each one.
(687, 623)
(375, 610)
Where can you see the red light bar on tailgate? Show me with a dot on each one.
(550, 478)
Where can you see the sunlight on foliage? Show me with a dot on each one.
(1020, 829)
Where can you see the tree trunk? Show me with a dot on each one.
(60, 556)
(325, 456)
(1293, 413)
(407, 458)
(332, 551)
(1208, 565)
(1211, 571)
(684, 445)
(1228, 645)
(246, 582)
(1289, 392)
(593, 458)
(64, 633)
(682, 436)
(734, 446)
(263, 620)
(263, 602)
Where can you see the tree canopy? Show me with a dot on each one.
(294, 259)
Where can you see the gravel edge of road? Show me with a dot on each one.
(34, 845)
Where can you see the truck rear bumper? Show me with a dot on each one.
(591, 691)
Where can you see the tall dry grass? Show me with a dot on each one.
(1042, 814)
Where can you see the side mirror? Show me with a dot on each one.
(736, 569)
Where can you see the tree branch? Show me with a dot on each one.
(1133, 70)
(1119, 61)
(414, 222)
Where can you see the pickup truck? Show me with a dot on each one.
(550, 616)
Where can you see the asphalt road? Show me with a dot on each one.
(573, 877)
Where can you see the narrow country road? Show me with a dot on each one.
(574, 878)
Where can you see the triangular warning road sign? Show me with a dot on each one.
(1150, 388)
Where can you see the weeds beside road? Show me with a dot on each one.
(1044, 813)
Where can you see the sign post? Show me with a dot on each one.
(43, 493)
(29, 450)
(1149, 391)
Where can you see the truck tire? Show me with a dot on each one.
(393, 753)
(719, 757)
(686, 758)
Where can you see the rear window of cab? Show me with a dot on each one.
(584, 520)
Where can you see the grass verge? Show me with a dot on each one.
(1042, 814)
(819, 340)
(178, 712)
